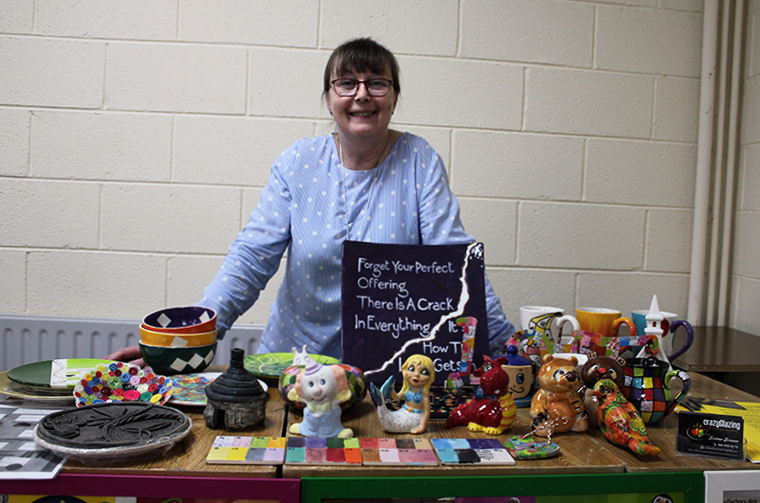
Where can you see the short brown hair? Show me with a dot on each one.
(362, 55)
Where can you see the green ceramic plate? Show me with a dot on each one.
(33, 394)
(57, 374)
(273, 364)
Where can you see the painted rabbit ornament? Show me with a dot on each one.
(322, 388)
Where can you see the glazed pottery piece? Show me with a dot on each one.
(493, 410)
(669, 325)
(412, 417)
(322, 388)
(593, 371)
(153, 338)
(236, 400)
(556, 407)
(522, 376)
(181, 320)
(357, 384)
(122, 382)
(269, 366)
(620, 422)
(647, 387)
(112, 433)
(529, 448)
(542, 326)
(60, 374)
(169, 361)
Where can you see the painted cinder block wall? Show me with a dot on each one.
(135, 138)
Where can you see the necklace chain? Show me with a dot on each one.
(371, 187)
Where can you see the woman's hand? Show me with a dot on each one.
(129, 354)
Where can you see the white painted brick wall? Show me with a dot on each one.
(49, 214)
(632, 40)
(101, 146)
(639, 172)
(557, 33)
(169, 220)
(64, 282)
(676, 109)
(135, 137)
(14, 137)
(51, 72)
(745, 282)
(581, 236)
(588, 103)
(407, 27)
(517, 165)
(107, 20)
(231, 151)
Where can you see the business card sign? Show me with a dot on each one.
(711, 436)
(401, 300)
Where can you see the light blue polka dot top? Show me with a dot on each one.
(310, 205)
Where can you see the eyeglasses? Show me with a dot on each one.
(349, 87)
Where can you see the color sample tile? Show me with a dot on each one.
(323, 451)
(247, 450)
(484, 451)
(398, 452)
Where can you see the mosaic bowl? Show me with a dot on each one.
(122, 382)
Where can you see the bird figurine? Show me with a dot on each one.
(620, 422)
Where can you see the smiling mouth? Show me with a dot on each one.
(362, 114)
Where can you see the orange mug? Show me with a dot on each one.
(603, 321)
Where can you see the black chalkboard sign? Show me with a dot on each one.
(401, 300)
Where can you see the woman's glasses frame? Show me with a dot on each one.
(349, 87)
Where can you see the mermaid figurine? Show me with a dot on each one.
(413, 416)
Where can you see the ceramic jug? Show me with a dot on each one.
(647, 387)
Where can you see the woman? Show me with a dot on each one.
(365, 182)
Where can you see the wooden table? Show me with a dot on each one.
(719, 349)
(587, 464)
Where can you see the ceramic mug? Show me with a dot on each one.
(669, 326)
(647, 386)
(603, 321)
(542, 326)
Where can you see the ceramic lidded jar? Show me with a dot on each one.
(235, 398)
(521, 372)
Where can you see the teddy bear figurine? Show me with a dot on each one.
(322, 388)
(596, 369)
(557, 407)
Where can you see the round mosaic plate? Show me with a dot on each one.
(122, 382)
(272, 365)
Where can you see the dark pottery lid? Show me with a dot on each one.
(236, 384)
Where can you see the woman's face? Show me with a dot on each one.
(416, 374)
(362, 115)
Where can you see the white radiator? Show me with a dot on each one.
(29, 338)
